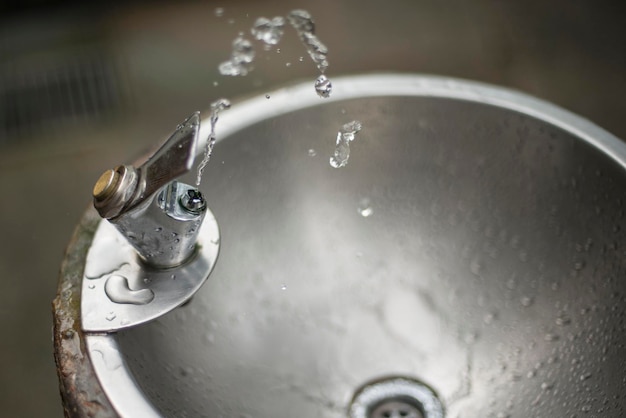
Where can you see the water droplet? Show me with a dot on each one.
(110, 316)
(546, 386)
(346, 134)
(231, 21)
(92, 286)
(476, 267)
(215, 84)
(526, 301)
(158, 229)
(283, 287)
(267, 96)
(312, 152)
(287, 64)
(364, 208)
(563, 320)
(551, 337)
(118, 290)
(219, 11)
(585, 376)
(216, 107)
(323, 86)
(301, 59)
(586, 408)
(470, 338)
(241, 58)
(268, 31)
(489, 318)
(173, 277)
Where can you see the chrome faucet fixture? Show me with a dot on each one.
(146, 260)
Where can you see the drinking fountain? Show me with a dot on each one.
(467, 261)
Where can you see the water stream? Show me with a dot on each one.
(216, 107)
(303, 23)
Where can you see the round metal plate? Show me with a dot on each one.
(114, 269)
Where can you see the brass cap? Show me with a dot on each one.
(106, 185)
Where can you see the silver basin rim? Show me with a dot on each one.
(114, 376)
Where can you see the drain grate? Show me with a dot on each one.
(396, 397)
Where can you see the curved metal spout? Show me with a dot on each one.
(159, 216)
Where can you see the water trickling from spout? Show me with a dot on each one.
(216, 107)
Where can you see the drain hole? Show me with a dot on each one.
(397, 397)
(396, 408)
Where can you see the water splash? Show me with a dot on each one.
(346, 134)
(303, 23)
(241, 58)
(216, 107)
(268, 31)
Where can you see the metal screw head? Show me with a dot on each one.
(193, 201)
(106, 185)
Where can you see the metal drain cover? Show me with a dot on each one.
(396, 397)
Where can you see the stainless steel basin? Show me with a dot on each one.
(474, 243)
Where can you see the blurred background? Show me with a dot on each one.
(85, 86)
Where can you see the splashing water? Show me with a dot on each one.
(268, 31)
(346, 134)
(323, 86)
(216, 107)
(240, 62)
(302, 22)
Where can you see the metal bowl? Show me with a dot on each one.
(473, 246)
